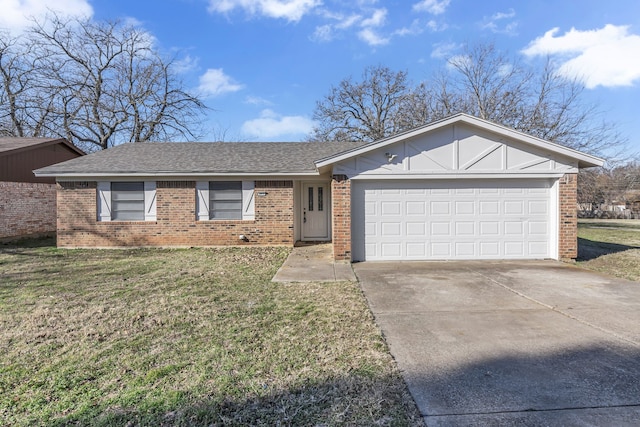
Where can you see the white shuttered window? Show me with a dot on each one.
(126, 201)
(225, 200)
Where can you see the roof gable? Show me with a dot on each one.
(460, 144)
(12, 145)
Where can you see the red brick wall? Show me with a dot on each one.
(341, 217)
(176, 223)
(27, 209)
(568, 238)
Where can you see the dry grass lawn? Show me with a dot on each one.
(611, 247)
(186, 337)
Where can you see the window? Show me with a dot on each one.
(126, 201)
(225, 200)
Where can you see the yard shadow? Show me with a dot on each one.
(598, 385)
(28, 243)
(336, 402)
(591, 249)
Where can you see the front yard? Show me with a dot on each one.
(610, 246)
(186, 337)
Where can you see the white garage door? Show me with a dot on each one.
(462, 219)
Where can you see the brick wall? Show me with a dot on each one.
(27, 209)
(341, 217)
(568, 238)
(176, 223)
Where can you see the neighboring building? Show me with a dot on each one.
(27, 202)
(459, 188)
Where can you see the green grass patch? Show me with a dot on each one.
(611, 247)
(186, 337)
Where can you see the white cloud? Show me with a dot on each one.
(444, 50)
(377, 18)
(257, 100)
(16, 14)
(368, 34)
(414, 29)
(608, 56)
(271, 125)
(323, 33)
(291, 10)
(186, 64)
(434, 26)
(433, 7)
(215, 82)
(501, 23)
(372, 38)
(328, 32)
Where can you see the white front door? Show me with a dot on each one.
(315, 211)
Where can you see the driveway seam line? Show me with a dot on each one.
(519, 411)
(552, 308)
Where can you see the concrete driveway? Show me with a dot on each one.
(510, 343)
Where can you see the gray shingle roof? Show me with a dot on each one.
(202, 157)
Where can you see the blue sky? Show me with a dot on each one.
(262, 64)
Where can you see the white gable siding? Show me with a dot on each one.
(457, 150)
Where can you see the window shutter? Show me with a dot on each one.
(104, 200)
(248, 201)
(202, 200)
(149, 200)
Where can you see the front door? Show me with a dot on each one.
(315, 211)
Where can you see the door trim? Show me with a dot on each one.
(327, 210)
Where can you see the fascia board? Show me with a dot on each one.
(172, 177)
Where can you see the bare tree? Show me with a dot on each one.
(619, 184)
(364, 110)
(98, 84)
(489, 84)
(24, 110)
(481, 81)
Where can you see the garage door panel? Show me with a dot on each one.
(489, 207)
(441, 250)
(489, 228)
(416, 229)
(538, 227)
(391, 250)
(427, 220)
(464, 249)
(514, 249)
(513, 228)
(538, 248)
(489, 249)
(390, 208)
(416, 250)
(390, 229)
(440, 208)
(514, 207)
(538, 207)
(465, 228)
(465, 207)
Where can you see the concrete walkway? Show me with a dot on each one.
(314, 263)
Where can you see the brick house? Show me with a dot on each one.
(458, 188)
(27, 202)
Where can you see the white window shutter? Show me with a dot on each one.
(202, 200)
(104, 200)
(248, 200)
(149, 200)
